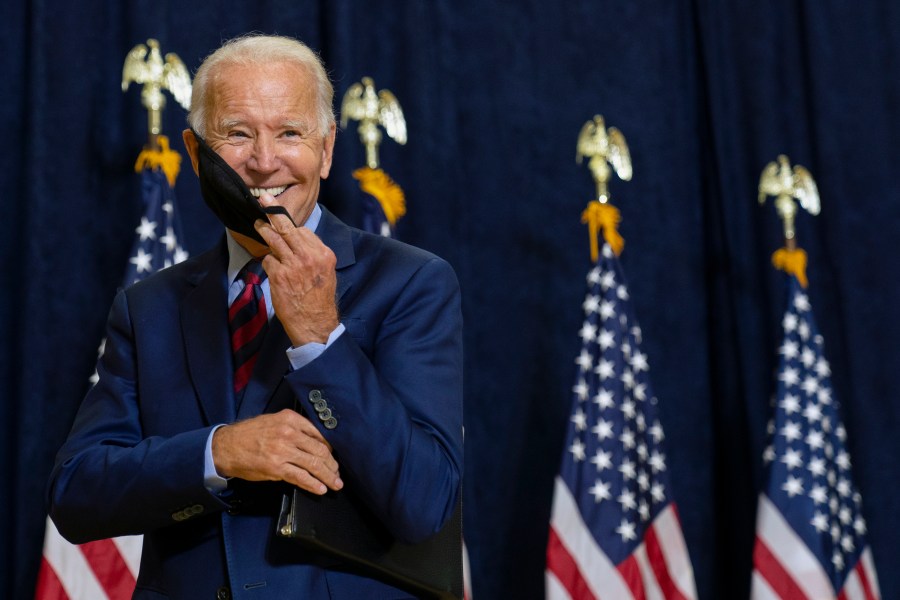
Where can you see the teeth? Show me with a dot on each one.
(257, 192)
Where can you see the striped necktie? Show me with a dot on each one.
(247, 319)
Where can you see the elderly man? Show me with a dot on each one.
(337, 363)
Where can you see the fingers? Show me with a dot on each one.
(277, 447)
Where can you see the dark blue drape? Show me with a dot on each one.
(706, 92)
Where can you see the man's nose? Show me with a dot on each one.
(265, 155)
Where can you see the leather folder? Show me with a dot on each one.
(340, 525)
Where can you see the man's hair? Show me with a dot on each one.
(257, 49)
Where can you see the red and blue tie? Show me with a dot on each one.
(247, 318)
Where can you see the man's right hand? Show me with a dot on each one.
(284, 446)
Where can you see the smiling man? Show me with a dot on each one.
(296, 352)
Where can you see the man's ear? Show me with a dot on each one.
(193, 148)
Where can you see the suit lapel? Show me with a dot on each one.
(337, 236)
(204, 324)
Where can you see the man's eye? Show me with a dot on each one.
(237, 134)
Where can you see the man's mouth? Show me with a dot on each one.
(274, 191)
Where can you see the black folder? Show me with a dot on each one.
(341, 525)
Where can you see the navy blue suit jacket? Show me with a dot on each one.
(133, 462)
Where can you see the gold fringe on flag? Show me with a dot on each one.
(792, 262)
(605, 217)
(378, 184)
(165, 158)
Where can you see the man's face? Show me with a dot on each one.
(263, 123)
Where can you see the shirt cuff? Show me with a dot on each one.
(211, 479)
(300, 356)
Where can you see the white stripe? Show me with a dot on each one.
(853, 589)
(130, 548)
(869, 566)
(675, 552)
(554, 590)
(760, 590)
(71, 567)
(600, 574)
(790, 551)
(467, 574)
(648, 577)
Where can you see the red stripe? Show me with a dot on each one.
(660, 569)
(561, 564)
(49, 587)
(110, 568)
(775, 574)
(631, 573)
(240, 302)
(242, 375)
(864, 581)
(249, 329)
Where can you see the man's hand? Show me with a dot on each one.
(301, 277)
(284, 446)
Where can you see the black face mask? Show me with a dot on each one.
(226, 194)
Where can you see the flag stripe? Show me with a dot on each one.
(760, 589)
(71, 567)
(779, 580)
(563, 566)
(110, 568)
(130, 548)
(667, 530)
(789, 552)
(868, 569)
(631, 573)
(598, 571)
(652, 590)
(658, 563)
(49, 587)
(554, 588)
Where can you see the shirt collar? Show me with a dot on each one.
(238, 256)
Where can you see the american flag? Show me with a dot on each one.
(107, 569)
(614, 529)
(810, 532)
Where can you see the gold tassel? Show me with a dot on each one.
(792, 262)
(378, 184)
(603, 217)
(166, 159)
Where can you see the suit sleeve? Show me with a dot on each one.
(394, 415)
(111, 480)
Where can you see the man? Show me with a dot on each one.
(175, 444)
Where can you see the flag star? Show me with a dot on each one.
(793, 459)
(844, 515)
(790, 349)
(641, 422)
(607, 309)
(644, 510)
(843, 488)
(602, 460)
(147, 229)
(789, 376)
(803, 330)
(801, 302)
(816, 466)
(643, 481)
(585, 360)
(657, 461)
(626, 530)
(181, 255)
(820, 522)
(169, 240)
(577, 450)
(837, 560)
(600, 491)
(791, 431)
(594, 276)
(605, 369)
(627, 500)
(658, 492)
(793, 486)
(859, 525)
(843, 460)
(640, 391)
(815, 440)
(627, 438)
(591, 304)
(768, 454)
(588, 332)
(607, 281)
(141, 260)
(627, 379)
(168, 208)
(790, 322)
(603, 429)
(790, 404)
(580, 420)
(625, 347)
(628, 409)
(627, 469)
(818, 494)
(810, 385)
(812, 412)
(622, 292)
(606, 339)
(847, 544)
(822, 368)
(642, 451)
(841, 433)
(824, 395)
(656, 432)
(808, 357)
(580, 389)
(604, 399)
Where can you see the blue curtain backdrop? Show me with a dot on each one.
(706, 92)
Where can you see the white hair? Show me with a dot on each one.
(257, 49)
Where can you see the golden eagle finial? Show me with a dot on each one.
(361, 103)
(156, 76)
(786, 184)
(604, 147)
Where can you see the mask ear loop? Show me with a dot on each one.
(236, 179)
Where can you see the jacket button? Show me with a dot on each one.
(315, 395)
(330, 423)
(223, 593)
